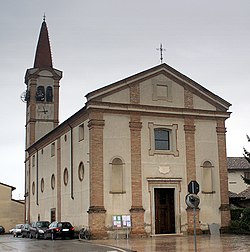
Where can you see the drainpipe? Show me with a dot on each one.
(36, 176)
(71, 162)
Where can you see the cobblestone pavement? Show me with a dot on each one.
(225, 243)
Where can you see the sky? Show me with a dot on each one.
(96, 43)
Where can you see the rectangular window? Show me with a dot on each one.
(81, 132)
(162, 139)
(33, 160)
(247, 175)
(53, 147)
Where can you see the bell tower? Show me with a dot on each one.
(42, 92)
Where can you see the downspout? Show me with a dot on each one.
(71, 162)
(36, 176)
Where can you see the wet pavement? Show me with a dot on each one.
(169, 243)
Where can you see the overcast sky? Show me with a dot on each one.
(96, 43)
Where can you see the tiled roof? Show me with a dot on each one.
(232, 195)
(245, 194)
(237, 163)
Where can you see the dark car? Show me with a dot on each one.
(25, 230)
(2, 230)
(17, 230)
(60, 229)
(38, 228)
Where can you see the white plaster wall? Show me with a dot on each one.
(116, 144)
(202, 104)
(146, 94)
(122, 96)
(75, 210)
(152, 164)
(206, 149)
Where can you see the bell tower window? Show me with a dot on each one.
(49, 94)
(40, 93)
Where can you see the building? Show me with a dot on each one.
(12, 211)
(237, 167)
(126, 158)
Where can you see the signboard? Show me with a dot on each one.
(193, 187)
(121, 221)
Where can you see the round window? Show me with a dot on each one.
(81, 171)
(33, 188)
(42, 185)
(53, 181)
(65, 176)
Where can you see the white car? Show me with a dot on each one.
(17, 230)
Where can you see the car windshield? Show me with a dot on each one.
(66, 225)
(42, 224)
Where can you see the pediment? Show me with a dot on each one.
(160, 86)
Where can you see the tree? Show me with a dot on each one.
(246, 155)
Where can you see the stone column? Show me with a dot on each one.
(97, 212)
(224, 208)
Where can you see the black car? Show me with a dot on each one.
(38, 228)
(60, 229)
(2, 230)
(25, 230)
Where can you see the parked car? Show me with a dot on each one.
(25, 230)
(2, 230)
(60, 229)
(17, 230)
(38, 228)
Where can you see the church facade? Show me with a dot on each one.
(126, 158)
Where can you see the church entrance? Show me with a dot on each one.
(164, 210)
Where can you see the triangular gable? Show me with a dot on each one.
(170, 73)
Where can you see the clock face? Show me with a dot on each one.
(44, 111)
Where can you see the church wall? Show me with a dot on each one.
(47, 199)
(161, 91)
(207, 150)
(116, 145)
(201, 103)
(164, 167)
(119, 97)
(75, 203)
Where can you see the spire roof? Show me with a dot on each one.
(43, 56)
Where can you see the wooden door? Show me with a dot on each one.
(164, 211)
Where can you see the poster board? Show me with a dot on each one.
(121, 221)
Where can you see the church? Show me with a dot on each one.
(123, 162)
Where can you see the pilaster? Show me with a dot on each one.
(224, 208)
(97, 212)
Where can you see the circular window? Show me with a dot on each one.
(53, 181)
(42, 185)
(66, 176)
(81, 171)
(33, 188)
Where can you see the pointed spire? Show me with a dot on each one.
(43, 53)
